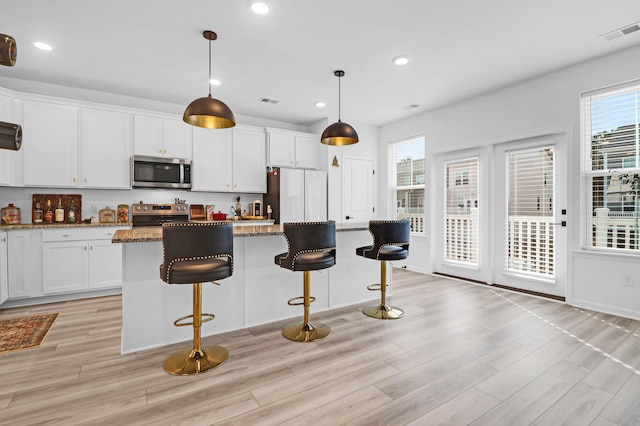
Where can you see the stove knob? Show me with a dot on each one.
(138, 208)
(144, 208)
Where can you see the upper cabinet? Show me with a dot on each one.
(229, 160)
(106, 148)
(293, 149)
(161, 137)
(50, 144)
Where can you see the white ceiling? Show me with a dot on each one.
(458, 48)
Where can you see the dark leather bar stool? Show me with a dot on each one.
(196, 252)
(312, 246)
(390, 242)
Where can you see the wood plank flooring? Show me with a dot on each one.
(463, 354)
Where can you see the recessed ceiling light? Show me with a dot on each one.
(214, 82)
(320, 104)
(43, 46)
(259, 7)
(401, 60)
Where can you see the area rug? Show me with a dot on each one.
(25, 332)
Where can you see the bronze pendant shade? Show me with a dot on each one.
(209, 112)
(339, 133)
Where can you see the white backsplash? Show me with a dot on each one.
(94, 200)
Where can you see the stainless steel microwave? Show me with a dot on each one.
(158, 172)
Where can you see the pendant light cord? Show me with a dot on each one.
(209, 81)
(339, 97)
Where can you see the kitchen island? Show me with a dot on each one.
(256, 293)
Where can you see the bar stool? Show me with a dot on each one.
(311, 246)
(390, 242)
(196, 252)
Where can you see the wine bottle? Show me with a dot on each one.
(48, 214)
(38, 214)
(59, 212)
(71, 214)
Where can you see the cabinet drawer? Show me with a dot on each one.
(75, 234)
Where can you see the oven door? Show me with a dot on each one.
(154, 172)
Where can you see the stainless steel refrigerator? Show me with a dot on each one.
(296, 195)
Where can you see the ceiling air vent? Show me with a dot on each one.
(410, 106)
(268, 101)
(621, 31)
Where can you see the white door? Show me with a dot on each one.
(357, 189)
(530, 209)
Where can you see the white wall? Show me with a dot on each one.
(545, 105)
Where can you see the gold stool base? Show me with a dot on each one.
(309, 332)
(383, 312)
(186, 362)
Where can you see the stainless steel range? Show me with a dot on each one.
(157, 214)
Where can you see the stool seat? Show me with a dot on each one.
(385, 253)
(390, 242)
(311, 246)
(196, 252)
(309, 261)
(199, 270)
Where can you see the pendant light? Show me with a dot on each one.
(339, 133)
(209, 112)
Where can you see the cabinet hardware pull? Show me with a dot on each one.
(65, 235)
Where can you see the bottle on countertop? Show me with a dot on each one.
(38, 214)
(10, 215)
(48, 213)
(59, 212)
(71, 214)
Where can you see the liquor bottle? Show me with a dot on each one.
(38, 214)
(59, 212)
(71, 214)
(48, 213)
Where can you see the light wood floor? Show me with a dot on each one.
(463, 354)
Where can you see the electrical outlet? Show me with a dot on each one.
(629, 280)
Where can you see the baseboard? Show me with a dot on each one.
(607, 309)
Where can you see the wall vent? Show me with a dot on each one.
(268, 101)
(612, 35)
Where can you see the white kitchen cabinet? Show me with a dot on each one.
(24, 264)
(249, 166)
(229, 160)
(50, 144)
(293, 149)
(161, 137)
(106, 149)
(80, 259)
(4, 277)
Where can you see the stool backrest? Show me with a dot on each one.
(390, 233)
(182, 240)
(308, 237)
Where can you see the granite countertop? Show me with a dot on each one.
(151, 234)
(59, 225)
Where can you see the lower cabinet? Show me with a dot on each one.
(4, 276)
(77, 260)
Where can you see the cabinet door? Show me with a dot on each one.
(281, 150)
(106, 149)
(176, 138)
(19, 253)
(249, 166)
(6, 156)
(307, 152)
(212, 160)
(105, 264)
(50, 144)
(4, 277)
(147, 135)
(65, 266)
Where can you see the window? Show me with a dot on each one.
(407, 181)
(611, 166)
(461, 211)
